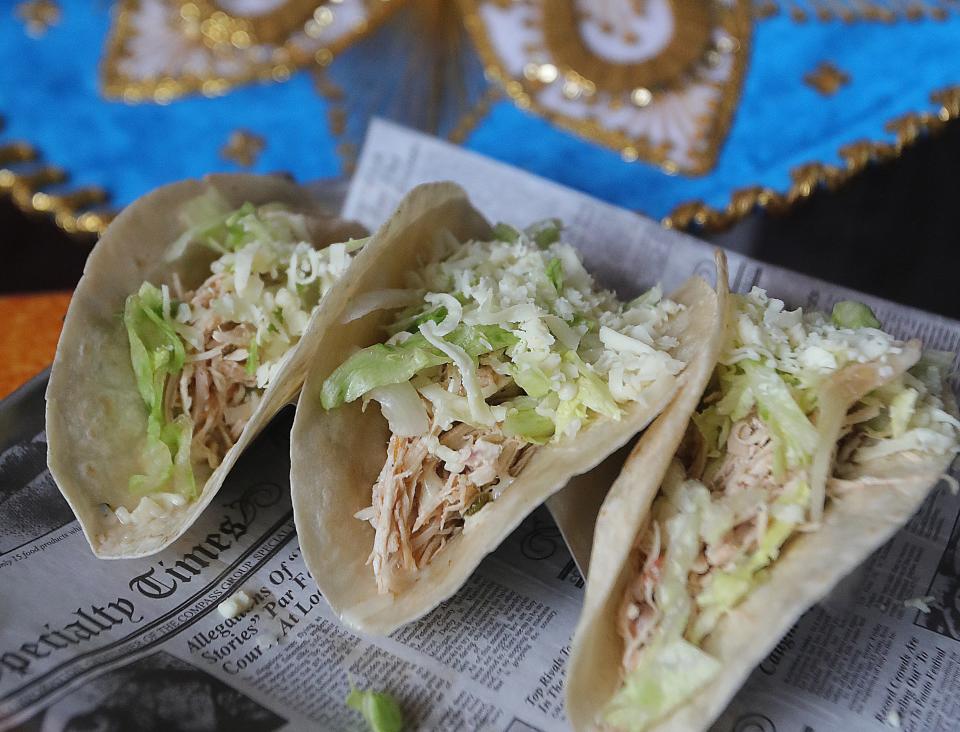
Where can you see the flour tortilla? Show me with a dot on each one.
(96, 419)
(575, 508)
(808, 568)
(337, 455)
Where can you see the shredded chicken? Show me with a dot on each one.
(214, 387)
(747, 460)
(421, 501)
(638, 616)
(746, 469)
(746, 465)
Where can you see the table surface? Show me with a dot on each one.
(892, 231)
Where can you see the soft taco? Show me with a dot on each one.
(182, 340)
(500, 369)
(816, 439)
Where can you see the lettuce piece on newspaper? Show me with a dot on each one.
(499, 374)
(380, 710)
(181, 341)
(816, 439)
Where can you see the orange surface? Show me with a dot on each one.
(29, 329)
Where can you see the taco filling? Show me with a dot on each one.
(761, 463)
(203, 357)
(495, 349)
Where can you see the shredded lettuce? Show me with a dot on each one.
(380, 710)
(852, 314)
(505, 232)
(804, 348)
(570, 417)
(555, 273)
(382, 364)
(667, 675)
(532, 380)
(592, 392)
(902, 407)
(794, 436)
(155, 348)
(753, 384)
(268, 277)
(714, 427)
(775, 364)
(437, 315)
(167, 463)
(574, 349)
(203, 217)
(156, 352)
(683, 546)
(479, 502)
(546, 232)
(402, 408)
(253, 356)
(480, 412)
(670, 668)
(523, 421)
(738, 398)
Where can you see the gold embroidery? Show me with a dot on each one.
(243, 148)
(686, 49)
(38, 15)
(210, 22)
(827, 79)
(813, 176)
(734, 19)
(23, 183)
(278, 67)
(471, 118)
(851, 11)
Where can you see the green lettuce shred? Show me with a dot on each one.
(794, 437)
(853, 315)
(524, 422)
(210, 220)
(253, 357)
(380, 710)
(156, 352)
(555, 273)
(532, 380)
(505, 232)
(431, 316)
(204, 217)
(383, 364)
(592, 393)
(668, 674)
(546, 232)
(479, 502)
(902, 407)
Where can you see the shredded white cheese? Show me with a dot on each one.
(237, 604)
(150, 507)
(920, 603)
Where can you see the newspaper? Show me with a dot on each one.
(140, 644)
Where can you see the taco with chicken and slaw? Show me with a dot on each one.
(461, 376)
(182, 340)
(816, 439)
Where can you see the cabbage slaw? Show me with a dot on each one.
(203, 357)
(743, 490)
(495, 348)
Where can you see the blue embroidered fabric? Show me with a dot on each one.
(50, 96)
